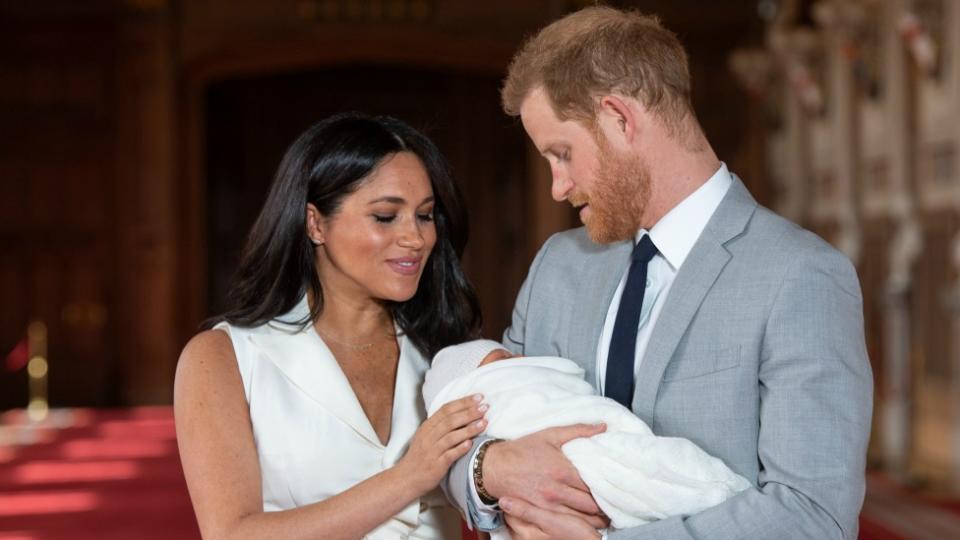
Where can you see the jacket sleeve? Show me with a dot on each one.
(455, 485)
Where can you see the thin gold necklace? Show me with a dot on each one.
(352, 346)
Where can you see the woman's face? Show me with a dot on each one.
(377, 244)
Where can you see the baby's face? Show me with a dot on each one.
(496, 356)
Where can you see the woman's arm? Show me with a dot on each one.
(222, 469)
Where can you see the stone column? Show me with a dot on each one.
(904, 248)
(840, 21)
(789, 49)
(753, 69)
(953, 23)
(954, 300)
(897, 408)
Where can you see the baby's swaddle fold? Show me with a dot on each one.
(635, 476)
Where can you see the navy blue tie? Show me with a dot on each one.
(623, 344)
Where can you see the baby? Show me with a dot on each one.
(635, 476)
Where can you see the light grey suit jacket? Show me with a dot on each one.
(758, 357)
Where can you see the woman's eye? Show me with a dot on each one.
(383, 218)
(425, 217)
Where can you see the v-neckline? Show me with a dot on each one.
(353, 392)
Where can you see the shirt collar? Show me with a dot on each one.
(677, 231)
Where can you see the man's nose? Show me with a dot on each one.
(561, 186)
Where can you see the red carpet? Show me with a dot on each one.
(94, 474)
(107, 475)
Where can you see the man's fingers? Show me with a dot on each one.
(573, 481)
(560, 435)
(524, 510)
(595, 521)
(520, 529)
(578, 501)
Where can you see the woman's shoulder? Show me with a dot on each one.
(208, 358)
(215, 342)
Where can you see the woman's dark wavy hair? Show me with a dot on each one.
(329, 161)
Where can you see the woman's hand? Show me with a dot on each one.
(442, 439)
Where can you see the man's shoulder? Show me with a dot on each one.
(784, 240)
(575, 243)
(568, 257)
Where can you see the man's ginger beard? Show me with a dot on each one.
(620, 194)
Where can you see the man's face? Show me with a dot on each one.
(610, 188)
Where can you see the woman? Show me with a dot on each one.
(298, 413)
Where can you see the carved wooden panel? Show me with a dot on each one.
(56, 205)
(14, 316)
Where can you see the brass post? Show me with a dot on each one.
(37, 370)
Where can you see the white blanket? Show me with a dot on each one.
(635, 476)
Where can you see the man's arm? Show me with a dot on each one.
(531, 467)
(816, 401)
(456, 486)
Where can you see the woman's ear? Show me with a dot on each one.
(314, 225)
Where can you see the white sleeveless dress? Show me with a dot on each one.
(313, 438)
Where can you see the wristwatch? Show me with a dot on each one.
(485, 497)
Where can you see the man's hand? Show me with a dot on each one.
(534, 469)
(527, 522)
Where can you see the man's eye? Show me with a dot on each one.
(383, 218)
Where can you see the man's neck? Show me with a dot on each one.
(676, 173)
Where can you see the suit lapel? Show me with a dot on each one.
(693, 281)
(600, 281)
(310, 366)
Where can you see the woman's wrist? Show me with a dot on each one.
(404, 475)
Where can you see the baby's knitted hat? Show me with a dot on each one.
(452, 362)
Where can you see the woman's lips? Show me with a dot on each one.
(407, 266)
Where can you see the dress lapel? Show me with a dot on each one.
(693, 281)
(600, 281)
(408, 409)
(310, 366)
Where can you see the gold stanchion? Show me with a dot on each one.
(37, 370)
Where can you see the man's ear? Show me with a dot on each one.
(618, 119)
(315, 225)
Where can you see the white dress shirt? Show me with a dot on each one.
(674, 236)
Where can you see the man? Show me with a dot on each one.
(710, 317)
